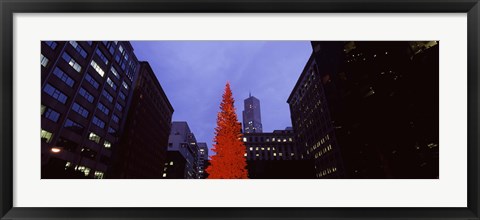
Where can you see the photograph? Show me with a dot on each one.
(240, 109)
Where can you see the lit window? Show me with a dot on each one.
(97, 68)
(171, 162)
(274, 154)
(46, 136)
(124, 84)
(98, 175)
(43, 60)
(112, 84)
(71, 62)
(107, 144)
(115, 73)
(244, 139)
(164, 175)
(245, 154)
(251, 148)
(94, 137)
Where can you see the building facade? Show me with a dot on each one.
(202, 159)
(252, 120)
(86, 88)
(369, 109)
(142, 150)
(182, 158)
(275, 155)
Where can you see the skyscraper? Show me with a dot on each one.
(252, 121)
(85, 90)
(202, 159)
(142, 150)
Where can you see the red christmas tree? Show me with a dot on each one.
(229, 161)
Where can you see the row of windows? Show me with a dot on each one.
(102, 108)
(55, 93)
(102, 56)
(89, 97)
(80, 110)
(73, 126)
(250, 139)
(79, 49)
(98, 122)
(72, 62)
(91, 80)
(97, 68)
(43, 60)
(50, 114)
(326, 172)
(51, 44)
(107, 96)
(63, 76)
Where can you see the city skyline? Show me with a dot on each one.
(266, 69)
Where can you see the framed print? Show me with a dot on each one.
(214, 109)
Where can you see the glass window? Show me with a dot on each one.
(91, 80)
(124, 84)
(107, 144)
(80, 110)
(97, 68)
(43, 60)
(115, 72)
(107, 96)
(98, 122)
(63, 76)
(73, 126)
(119, 107)
(51, 115)
(102, 108)
(86, 95)
(112, 84)
(55, 93)
(46, 136)
(79, 49)
(102, 56)
(111, 131)
(94, 137)
(122, 96)
(51, 44)
(71, 62)
(115, 118)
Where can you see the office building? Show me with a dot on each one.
(275, 155)
(369, 109)
(142, 150)
(202, 159)
(86, 87)
(182, 156)
(252, 121)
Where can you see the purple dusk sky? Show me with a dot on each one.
(193, 75)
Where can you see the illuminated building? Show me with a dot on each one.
(86, 87)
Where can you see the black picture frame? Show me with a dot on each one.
(9, 7)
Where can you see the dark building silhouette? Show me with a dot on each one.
(275, 156)
(183, 150)
(369, 109)
(86, 88)
(142, 150)
(252, 120)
